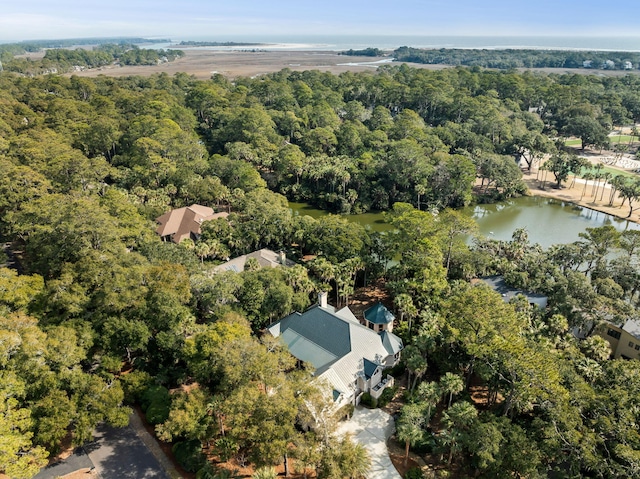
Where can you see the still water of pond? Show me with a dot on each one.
(547, 221)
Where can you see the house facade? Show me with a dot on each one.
(345, 354)
(623, 339)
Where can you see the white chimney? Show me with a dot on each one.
(322, 299)
(283, 258)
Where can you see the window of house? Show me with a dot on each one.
(630, 344)
(637, 347)
(613, 333)
(370, 325)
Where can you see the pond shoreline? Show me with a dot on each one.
(574, 194)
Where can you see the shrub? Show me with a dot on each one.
(226, 447)
(134, 385)
(265, 473)
(154, 394)
(396, 371)
(189, 455)
(157, 413)
(366, 400)
(386, 396)
(414, 473)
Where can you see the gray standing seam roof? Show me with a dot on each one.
(632, 327)
(323, 328)
(339, 348)
(378, 314)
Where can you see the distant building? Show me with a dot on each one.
(624, 340)
(587, 64)
(345, 354)
(182, 223)
(265, 258)
(628, 66)
(609, 65)
(498, 284)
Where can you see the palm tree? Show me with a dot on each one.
(202, 250)
(457, 420)
(410, 427)
(588, 176)
(405, 305)
(430, 393)
(597, 176)
(266, 472)
(577, 165)
(354, 459)
(607, 176)
(616, 182)
(451, 384)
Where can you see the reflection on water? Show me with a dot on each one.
(547, 221)
(375, 221)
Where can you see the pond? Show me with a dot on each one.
(374, 220)
(547, 221)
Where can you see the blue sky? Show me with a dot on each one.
(214, 19)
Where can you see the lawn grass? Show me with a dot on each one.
(623, 139)
(612, 139)
(612, 171)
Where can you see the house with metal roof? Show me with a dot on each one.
(499, 285)
(265, 258)
(345, 354)
(182, 223)
(379, 318)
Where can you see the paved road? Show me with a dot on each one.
(120, 454)
(372, 428)
(77, 461)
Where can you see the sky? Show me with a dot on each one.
(230, 19)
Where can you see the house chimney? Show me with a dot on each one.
(283, 258)
(322, 299)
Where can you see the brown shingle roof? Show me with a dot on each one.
(181, 223)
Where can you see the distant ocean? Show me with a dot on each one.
(386, 42)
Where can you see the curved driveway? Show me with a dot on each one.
(372, 428)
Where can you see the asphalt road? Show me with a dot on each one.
(120, 454)
(115, 454)
(78, 460)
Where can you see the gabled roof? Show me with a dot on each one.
(391, 342)
(499, 285)
(181, 223)
(632, 326)
(378, 314)
(266, 259)
(369, 368)
(340, 349)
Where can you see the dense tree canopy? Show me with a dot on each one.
(99, 312)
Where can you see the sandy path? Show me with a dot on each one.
(575, 194)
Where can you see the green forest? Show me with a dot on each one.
(521, 58)
(98, 315)
(64, 60)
